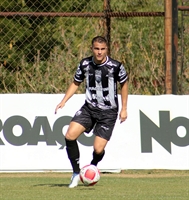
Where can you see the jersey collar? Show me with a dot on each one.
(107, 59)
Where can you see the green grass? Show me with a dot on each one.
(129, 185)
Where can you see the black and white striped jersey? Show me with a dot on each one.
(101, 81)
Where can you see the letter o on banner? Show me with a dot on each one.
(175, 123)
(1, 125)
(8, 130)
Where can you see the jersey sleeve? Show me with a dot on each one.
(122, 74)
(79, 75)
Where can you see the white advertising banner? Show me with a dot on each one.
(155, 135)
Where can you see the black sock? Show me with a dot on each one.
(97, 157)
(73, 154)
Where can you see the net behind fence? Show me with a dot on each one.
(40, 51)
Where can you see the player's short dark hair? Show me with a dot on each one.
(99, 39)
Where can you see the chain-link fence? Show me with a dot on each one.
(183, 53)
(42, 43)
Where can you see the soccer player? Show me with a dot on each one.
(100, 109)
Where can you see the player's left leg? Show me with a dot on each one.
(103, 132)
(98, 153)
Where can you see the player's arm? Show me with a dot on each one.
(69, 93)
(124, 99)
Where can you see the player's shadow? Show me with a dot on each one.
(81, 187)
(86, 188)
(60, 185)
(51, 185)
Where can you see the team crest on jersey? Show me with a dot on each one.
(98, 75)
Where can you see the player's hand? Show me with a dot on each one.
(122, 115)
(60, 105)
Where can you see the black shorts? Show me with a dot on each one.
(101, 121)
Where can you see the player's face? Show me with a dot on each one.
(100, 51)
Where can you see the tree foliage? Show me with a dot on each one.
(40, 54)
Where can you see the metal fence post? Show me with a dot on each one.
(168, 46)
(174, 45)
(107, 9)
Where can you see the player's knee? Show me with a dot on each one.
(70, 136)
(99, 151)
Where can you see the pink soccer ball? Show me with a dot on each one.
(89, 175)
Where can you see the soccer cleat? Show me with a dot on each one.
(74, 180)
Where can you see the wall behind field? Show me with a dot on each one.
(155, 135)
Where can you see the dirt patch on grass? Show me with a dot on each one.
(123, 174)
(150, 173)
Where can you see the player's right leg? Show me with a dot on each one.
(74, 131)
(80, 123)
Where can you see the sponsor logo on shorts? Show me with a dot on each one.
(105, 128)
(78, 113)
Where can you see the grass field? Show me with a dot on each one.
(127, 185)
